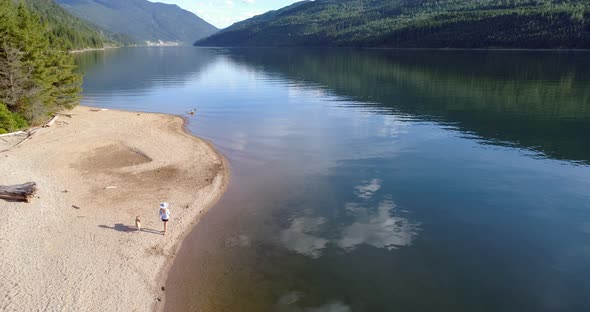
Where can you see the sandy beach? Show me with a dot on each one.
(75, 247)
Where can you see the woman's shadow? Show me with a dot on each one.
(120, 227)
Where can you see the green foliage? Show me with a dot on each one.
(10, 121)
(417, 24)
(37, 74)
(67, 30)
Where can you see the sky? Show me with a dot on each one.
(223, 13)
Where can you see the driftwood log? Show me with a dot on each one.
(20, 192)
(51, 122)
(13, 133)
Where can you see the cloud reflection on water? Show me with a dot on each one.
(368, 188)
(381, 229)
(381, 226)
(299, 236)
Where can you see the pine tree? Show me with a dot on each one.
(37, 75)
(66, 84)
(16, 84)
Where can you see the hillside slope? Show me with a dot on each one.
(417, 24)
(142, 20)
(75, 33)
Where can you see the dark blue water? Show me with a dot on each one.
(376, 180)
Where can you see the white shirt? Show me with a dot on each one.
(165, 214)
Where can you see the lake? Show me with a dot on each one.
(376, 180)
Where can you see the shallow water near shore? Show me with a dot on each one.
(376, 180)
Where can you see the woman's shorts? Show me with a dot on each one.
(164, 220)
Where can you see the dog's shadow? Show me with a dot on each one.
(120, 227)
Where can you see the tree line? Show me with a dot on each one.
(37, 74)
(74, 33)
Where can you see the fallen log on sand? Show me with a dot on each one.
(50, 123)
(12, 133)
(20, 192)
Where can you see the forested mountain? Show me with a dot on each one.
(74, 33)
(37, 74)
(142, 20)
(416, 24)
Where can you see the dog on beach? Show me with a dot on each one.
(138, 223)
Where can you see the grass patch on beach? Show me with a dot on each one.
(10, 121)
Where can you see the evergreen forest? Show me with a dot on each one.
(73, 32)
(37, 74)
(416, 24)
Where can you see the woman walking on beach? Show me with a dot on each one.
(164, 215)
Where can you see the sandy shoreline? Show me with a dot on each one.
(92, 49)
(112, 166)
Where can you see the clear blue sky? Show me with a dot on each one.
(223, 13)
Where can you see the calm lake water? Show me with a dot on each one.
(376, 180)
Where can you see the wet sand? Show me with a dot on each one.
(75, 246)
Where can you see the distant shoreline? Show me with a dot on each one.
(388, 48)
(344, 48)
(483, 49)
(91, 49)
(131, 46)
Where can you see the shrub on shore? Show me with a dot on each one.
(10, 121)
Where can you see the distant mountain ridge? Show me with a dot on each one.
(146, 22)
(416, 24)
